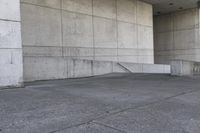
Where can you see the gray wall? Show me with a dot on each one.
(10, 44)
(107, 30)
(176, 36)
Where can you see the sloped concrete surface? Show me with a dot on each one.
(114, 103)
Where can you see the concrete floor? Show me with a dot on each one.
(114, 103)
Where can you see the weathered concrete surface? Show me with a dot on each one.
(185, 68)
(103, 30)
(177, 36)
(112, 103)
(11, 73)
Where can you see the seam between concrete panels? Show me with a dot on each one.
(61, 23)
(93, 30)
(136, 19)
(93, 39)
(198, 40)
(117, 29)
(173, 32)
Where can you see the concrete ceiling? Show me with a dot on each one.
(164, 6)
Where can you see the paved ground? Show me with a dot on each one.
(115, 103)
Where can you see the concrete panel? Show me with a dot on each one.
(133, 59)
(164, 41)
(106, 58)
(185, 39)
(126, 10)
(10, 34)
(153, 69)
(44, 68)
(11, 72)
(127, 35)
(105, 52)
(149, 52)
(163, 59)
(105, 33)
(145, 37)
(146, 59)
(144, 13)
(77, 30)
(163, 23)
(80, 6)
(10, 9)
(186, 19)
(46, 23)
(80, 52)
(191, 57)
(48, 3)
(127, 52)
(82, 68)
(105, 8)
(42, 51)
(100, 68)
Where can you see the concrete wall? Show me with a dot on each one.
(177, 36)
(10, 44)
(106, 30)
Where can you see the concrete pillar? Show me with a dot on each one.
(11, 68)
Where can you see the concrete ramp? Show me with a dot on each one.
(146, 68)
(86, 68)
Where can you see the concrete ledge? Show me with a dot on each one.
(104, 67)
(46, 68)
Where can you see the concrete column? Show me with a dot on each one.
(11, 68)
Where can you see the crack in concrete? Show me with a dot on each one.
(123, 110)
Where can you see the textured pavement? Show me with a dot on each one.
(114, 103)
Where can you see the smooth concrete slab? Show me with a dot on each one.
(127, 35)
(166, 20)
(105, 8)
(126, 10)
(164, 41)
(145, 37)
(111, 103)
(10, 34)
(186, 19)
(144, 13)
(105, 33)
(185, 39)
(11, 72)
(46, 23)
(77, 30)
(44, 68)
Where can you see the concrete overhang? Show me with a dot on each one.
(166, 6)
